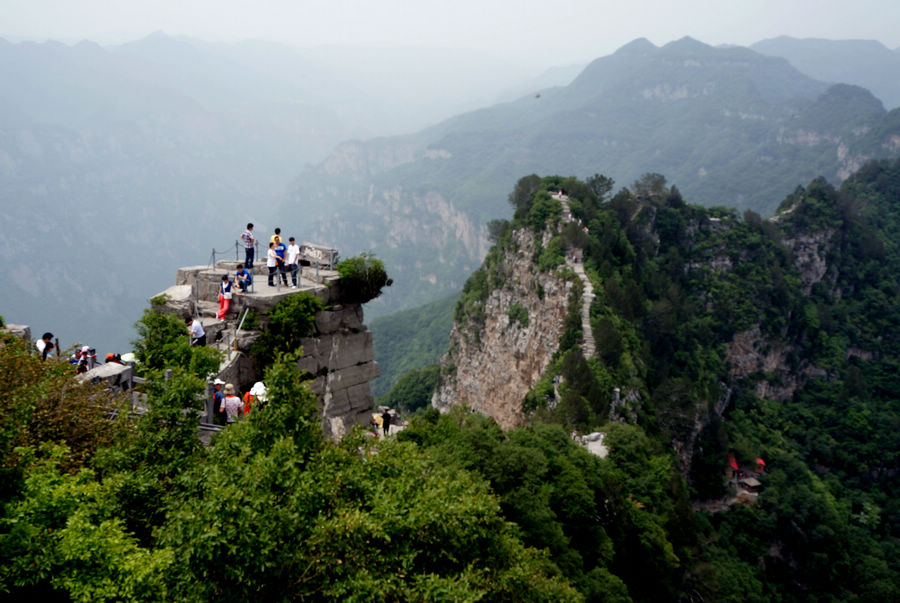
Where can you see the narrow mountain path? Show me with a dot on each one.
(587, 297)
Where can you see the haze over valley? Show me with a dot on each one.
(161, 149)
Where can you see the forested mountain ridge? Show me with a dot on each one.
(732, 127)
(772, 339)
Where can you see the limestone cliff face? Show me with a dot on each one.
(750, 352)
(491, 367)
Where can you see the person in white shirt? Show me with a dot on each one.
(272, 263)
(198, 335)
(44, 345)
(231, 405)
(293, 261)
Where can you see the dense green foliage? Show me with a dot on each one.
(674, 285)
(362, 278)
(615, 527)
(41, 402)
(164, 343)
(268, 512)
(413, 391)
(410, 339)
(292, 319)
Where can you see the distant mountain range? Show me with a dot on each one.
(865, 63)
(118, 164)
(727, 126)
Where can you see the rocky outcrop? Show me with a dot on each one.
(750, 353)
(338, 356)
(23, 331)
(491, 367)
(810, 255)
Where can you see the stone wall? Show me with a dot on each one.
(342, 357)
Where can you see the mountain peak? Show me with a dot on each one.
(688, 44)
(637, 46)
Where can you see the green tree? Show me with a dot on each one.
(522, 194)
(163, 343)
(42, 402)
(601, 186)
(651, 186)
(292, 319)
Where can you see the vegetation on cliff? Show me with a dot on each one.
(455, 508)
(812, 294)
(362, 278)
(163, 344)
(292, 319)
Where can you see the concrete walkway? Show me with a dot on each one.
(587, 297)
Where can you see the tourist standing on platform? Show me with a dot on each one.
(249, 240)
(271, 263)
(44, 345)
(293, 261)
(386, 421)
(224, 297)
(275, 237)
(280, 250)
(218, 401)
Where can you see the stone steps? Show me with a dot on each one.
(588, 348)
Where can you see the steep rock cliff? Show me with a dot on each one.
(491, 366)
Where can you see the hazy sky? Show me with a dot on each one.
(541, 31)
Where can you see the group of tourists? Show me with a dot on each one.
(83, 358)
(228, 407)
(280, 258)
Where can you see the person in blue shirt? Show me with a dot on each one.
(279, 251)
(243, 278)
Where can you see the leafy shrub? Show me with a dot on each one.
(362, 278)
(474, 294)
(518, 313)
(164, 343)
(292, 319)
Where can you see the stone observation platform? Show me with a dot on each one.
(338, 355)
